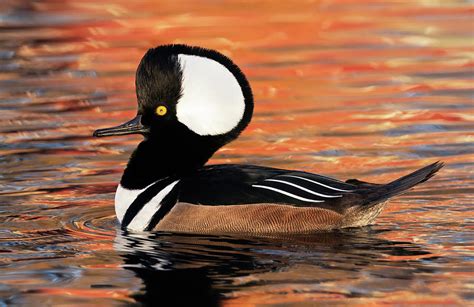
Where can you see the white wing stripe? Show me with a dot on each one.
(304, 189)
(321, 184)
(287, 194)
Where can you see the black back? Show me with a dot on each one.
(234, 184)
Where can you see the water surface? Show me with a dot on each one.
(351, 89)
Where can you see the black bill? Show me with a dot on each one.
(130, 127)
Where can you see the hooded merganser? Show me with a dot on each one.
(191, 102)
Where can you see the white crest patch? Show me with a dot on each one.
(212, 102)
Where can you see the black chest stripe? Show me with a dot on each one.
(143, 198)
(166, 205)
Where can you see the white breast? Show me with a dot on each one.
(143, 217)
(125, 197)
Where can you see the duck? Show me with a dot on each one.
(191, 102)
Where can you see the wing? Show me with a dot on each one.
(248, 184)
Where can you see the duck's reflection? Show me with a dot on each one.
(193, 270)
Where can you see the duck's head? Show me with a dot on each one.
(191, 102)
(185, 91)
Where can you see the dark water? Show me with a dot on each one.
(350, 89)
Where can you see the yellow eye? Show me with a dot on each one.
(161, 110)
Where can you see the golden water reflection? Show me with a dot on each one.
(351, 89)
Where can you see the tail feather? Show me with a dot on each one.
(404, 183)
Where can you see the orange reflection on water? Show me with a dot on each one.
(369, 90)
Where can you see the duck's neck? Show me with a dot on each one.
(153, 160)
